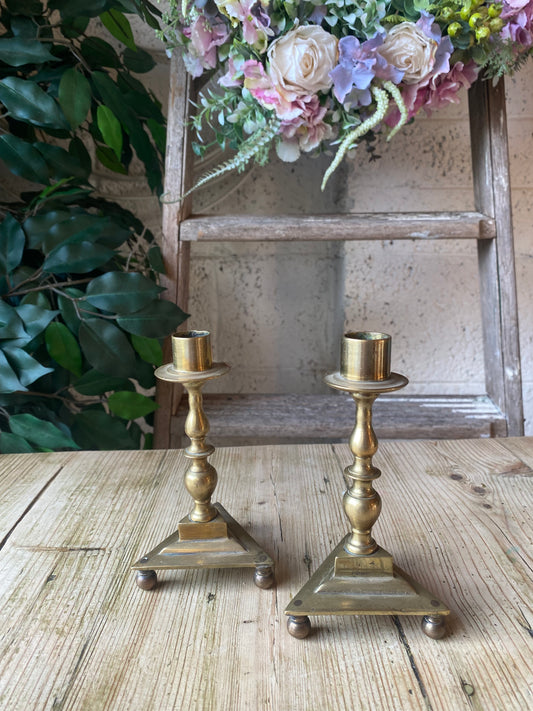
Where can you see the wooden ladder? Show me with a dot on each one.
(246, 419)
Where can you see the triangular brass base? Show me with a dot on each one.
(362, 585)
(220, 543)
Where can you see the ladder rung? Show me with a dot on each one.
(288, 418)
(362, 226)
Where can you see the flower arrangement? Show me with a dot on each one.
(302, 75)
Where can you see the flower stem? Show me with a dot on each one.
(382, 103)
(398, 100)
(250, 148)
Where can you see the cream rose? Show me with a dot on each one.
(409, 49)
(300, 61)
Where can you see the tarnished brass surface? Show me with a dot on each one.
(365, 355)
(208, 537)
(237, 550)
(362, 593)
(359, 577)
(191, 351)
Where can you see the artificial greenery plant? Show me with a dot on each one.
(81, 320)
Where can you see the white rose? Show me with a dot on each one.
(409, 49)
(301, 60)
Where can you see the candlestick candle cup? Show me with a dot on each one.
(192, 352)
(366, 355)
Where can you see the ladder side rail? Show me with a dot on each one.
(176, 252)
(490, 166)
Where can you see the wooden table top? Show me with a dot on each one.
(77, 633)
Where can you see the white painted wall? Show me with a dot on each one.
(277, 311)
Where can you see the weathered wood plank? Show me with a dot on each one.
(22, 481)
(237, 420)
(176, 253)
(76, 633)
(362, 226)
(490, 165)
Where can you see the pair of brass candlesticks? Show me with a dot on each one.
(358, 577)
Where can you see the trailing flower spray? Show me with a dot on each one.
(304, 76)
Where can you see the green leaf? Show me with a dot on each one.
(94, 383)
(12, 241)
(110, 129)
(26, 101)
(73, 27)
(159, 134)
(122, 292)
(70, 315)
(77, 8)
(138, 61)
(144, 374)
(107, 158)
(37, 298)
(40, 432)
(25, 7)
(149, 349)
(17, 51)
(39, 226)
(14, 444)
(63, 347)
(79, 227)
(35, 318)
(155, 258)
(154, 321)
(119, 27)
(27, 368)
(139, 99)
(23, 27)
(147, 154)
(112, 97)
(107, 348)
(77, 258)
(11, 325)
(74, 96)
(9, 381)
(130, 405)
(95, 429)
(78, 151)
(99, 53)
(60, 163)
(23, 159)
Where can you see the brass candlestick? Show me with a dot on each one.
(208, 537)
(359, 577)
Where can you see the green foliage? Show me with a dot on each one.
(363, 17)
(81, 319)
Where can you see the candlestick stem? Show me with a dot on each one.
(200, 476)
(362, 504)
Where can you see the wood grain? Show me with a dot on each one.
(499, 311)
(362, 226)
(77, 633)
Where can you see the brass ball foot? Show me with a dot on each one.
(434, 626)
(299, 626)
(264, 577)
(146, 579)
